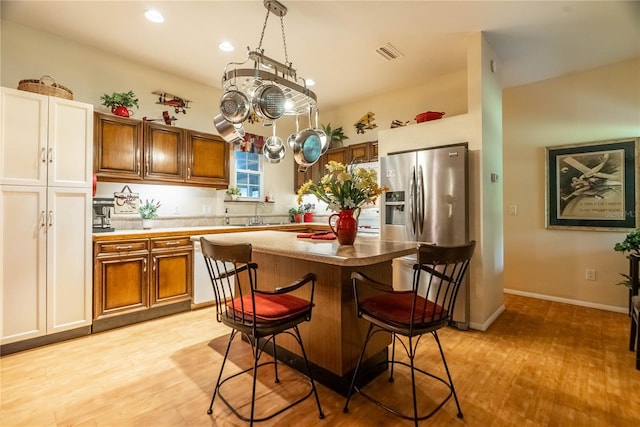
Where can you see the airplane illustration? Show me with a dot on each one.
(179, 104)
(592, 182)
(165, 117)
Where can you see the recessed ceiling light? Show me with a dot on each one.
(154, 16)
(226, 47)
(310, 82)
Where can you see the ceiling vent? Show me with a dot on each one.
(389, 51)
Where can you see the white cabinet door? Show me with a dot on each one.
(69, 259)
(45, 140)
(23, 137)
(70, 149)
(23, 262)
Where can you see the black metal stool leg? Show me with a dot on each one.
(355, 372)
(306, 362)
(224, 360)
(275, 359)
(446, 368)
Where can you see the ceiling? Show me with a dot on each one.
(335, 42)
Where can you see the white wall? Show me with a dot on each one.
(89, 73)
(595, 105)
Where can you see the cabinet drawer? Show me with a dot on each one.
(122, 246)
(171, 243)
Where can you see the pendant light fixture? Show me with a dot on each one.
(263, 87)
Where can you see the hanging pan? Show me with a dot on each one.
(235, 106)
(268, 102)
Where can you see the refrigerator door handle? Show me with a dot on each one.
(412, 201)
(420, 202)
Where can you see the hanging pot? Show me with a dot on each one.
(227, 130)
(323, 136)
(273, 149)
(307, 148)
(268, 102)
(235, 106)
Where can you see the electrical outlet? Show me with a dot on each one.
(513, 209)
(590, 274)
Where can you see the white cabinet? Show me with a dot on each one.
(45, 215)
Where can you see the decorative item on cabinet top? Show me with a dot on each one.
(126, 201)
(46, 85)
(179, 104)
(120, 102)
(366, 123)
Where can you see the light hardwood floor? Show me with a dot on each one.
(540, 364)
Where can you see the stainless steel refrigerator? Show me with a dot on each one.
(427, 201)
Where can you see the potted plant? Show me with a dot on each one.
(296, 214)
(148, 211)
(234, 192)
(631, 243)
(308, 212)
(334, 136)
(120, 102)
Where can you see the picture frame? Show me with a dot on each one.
(593, 186)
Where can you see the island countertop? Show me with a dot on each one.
(366, 250)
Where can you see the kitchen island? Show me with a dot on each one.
(334, 336)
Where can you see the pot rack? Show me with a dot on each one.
(259, 69)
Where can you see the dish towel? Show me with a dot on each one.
(320, 235)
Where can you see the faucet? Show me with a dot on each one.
(256, 219)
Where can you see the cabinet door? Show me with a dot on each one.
(207, 160)
(164, 153)
(69, 155)
(120, 279)
(337, 155)
(373, 151)
(358, 153)
(69, 258)
(23, 138)
(23, 262)
(171, 270)
(117, 151)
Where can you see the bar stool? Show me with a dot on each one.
(410, 314)
(257, 314)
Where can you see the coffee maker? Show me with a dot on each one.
(102, 215)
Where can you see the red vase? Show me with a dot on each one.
(120, 111)
(344, 227)
(308, 217)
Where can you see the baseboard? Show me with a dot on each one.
(484, 326)
(567, 301)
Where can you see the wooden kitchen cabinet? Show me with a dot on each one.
(120, 278)
(171, 270)
(45, 219)
(132, 150)
(363, 153)
(117, 154)
(140, 279)
(207, 159)
(164, 152)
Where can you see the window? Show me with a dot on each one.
(249, 174)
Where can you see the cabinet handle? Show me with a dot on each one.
(124, 247)
(144, 268)
(43, 155)
(172, 243)
(42, 219)
(147, 156)
(189, 173)
(50, 218)
(50, 155)
(154, 263)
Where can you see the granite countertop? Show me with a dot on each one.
(206, 229)
(366, 250)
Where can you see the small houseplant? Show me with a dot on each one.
(631, 243)
(148, 211)
(234, 192)
(334, 136)
(120, 103)
(296, 214)
(308, 211)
